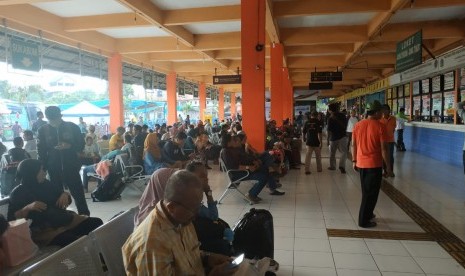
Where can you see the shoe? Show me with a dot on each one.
(208, 167)
(295, 168)
(259, 198)
(308, 172)
(331, 168)
(370, 224)
(279, 185)
(276, 192)
(373, 217)
(252, 199)
(343, 171)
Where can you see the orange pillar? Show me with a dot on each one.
(277, 92)
(221, 104)
(233, 104)
(202, 100)
(285, 98)
(288, 98)
(253, 71)
(115, 87)
(171, 97)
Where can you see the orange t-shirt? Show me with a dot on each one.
(390, 125)
(368, 135)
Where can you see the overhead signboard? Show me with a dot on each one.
(227, 79)
(409, 52)
(326, 76)
(25, 55)
(320, 86)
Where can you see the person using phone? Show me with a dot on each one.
(165, 243)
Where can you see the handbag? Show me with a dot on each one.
(17, 243)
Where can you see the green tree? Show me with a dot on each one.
(128, 94)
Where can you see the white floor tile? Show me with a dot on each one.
(397, 264)
(355, 272)
(402, 274)
(440, 266)
(319, 245)
(284, 257)
(425, 249)
(354, 261)
(384, 247)
(310, 233)
(313, 259)
(353, 246)
(314, 271)
(282, 243)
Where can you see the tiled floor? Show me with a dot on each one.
(331, 200)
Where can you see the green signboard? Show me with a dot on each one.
(25, 55)
(409, 52)
(148, 80)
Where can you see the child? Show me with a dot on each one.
(90, 153)
(18, 154)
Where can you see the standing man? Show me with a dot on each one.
(350, 126)
(401, 119)
(337, 125)
(40, 122)
(58, 147)
(389, 123)
(313, 138)
(82, 127)
(17, 129)
(370, 148)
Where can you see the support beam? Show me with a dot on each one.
(320, 50)
(307, 8)
(176, 56)
(149, 44)
(322, 35)
(19, 2)
(277, 92)
(220, 104)
(431, 30)
(218, 41)
(202, 15)
(318, 62)
(171, 97)
(106, 21)
(115, 88)
(202, 100)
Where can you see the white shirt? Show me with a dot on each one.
(351, 123)
(30, 145)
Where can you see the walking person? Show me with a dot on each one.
(401, 119)
(389, 123)
(337, 125)
(58, 147)
(313, 138)
(350, 126)
(370, 148)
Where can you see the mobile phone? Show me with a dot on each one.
(236, 262)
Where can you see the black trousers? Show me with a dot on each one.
(371, 184)
(464, 161)
(400, 140)
(82, 229)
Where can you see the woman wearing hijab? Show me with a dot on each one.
(152, 154)
(45, 204)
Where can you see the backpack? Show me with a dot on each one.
(110, 188)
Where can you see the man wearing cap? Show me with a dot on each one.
(370, 148)
(58, 146)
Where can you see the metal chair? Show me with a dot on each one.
(109, 239)
(4, 202)
(79, 258)
(131, 173)
(233, 184)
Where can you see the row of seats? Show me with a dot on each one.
(99, 253)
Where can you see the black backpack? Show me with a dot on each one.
(254, 235)
(110, 188)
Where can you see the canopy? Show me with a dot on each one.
(4, 109)
(85, 109)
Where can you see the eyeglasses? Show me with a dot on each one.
(193, 212)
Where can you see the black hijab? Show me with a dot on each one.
(27, 172)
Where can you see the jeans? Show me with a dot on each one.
(260, 176)
(371, 183)
(464, 161)
(308, 158)
(151, 165)
(340, 144)
(349, 140)
(85, 177)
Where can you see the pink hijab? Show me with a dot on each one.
(153, 193)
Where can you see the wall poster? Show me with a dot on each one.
(400, 91)
(416, 107)
(436, 84)
(449, 81)
(416, 88)
(425, 86)
(425, 101)
(407, 90)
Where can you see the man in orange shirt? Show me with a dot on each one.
(370, 148)
(389, 123)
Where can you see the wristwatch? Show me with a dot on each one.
(247, 167)
(209, 193)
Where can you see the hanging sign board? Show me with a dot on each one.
(320, 86)
(409, 52)
(25, 55)
(326, 76)
(148, 80)
(227, 79)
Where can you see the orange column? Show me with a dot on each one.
(253, 71)
(202, 100)
(171, 96)
(288, 110)
(285, 98)
(115, 87)
(221, 104)
(233, 105)
(277, 92)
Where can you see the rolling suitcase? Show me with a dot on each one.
(254, 235)
(110, 188)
